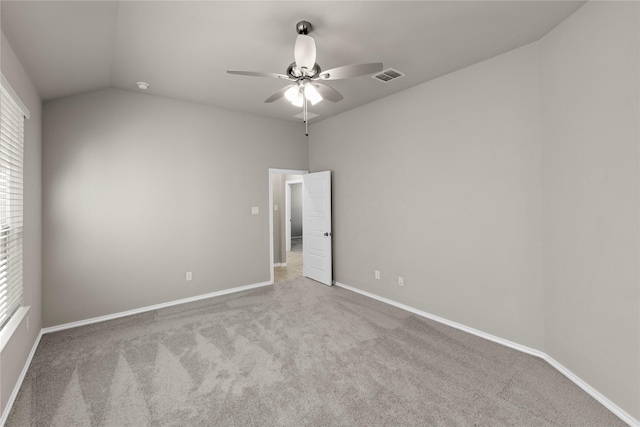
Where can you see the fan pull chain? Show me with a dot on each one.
(306, 123)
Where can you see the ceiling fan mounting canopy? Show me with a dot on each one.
(303, 27)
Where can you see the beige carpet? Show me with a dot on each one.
(293, 354)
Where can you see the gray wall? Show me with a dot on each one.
(296, 210)
(591, 200)
(15, 353)
(440, 184)
(507, 195)
(137, 193)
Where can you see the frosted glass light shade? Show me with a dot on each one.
(292, 93)
(299, 100)
(305, 90)
(312, 94)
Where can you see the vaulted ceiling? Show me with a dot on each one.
(183, 48)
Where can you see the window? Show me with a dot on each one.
(12, 114)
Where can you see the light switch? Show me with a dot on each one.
(275, 208)
(254, 210)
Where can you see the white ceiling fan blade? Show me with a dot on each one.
(279, 94)
(328, 93)
(259, 74)
(347, 71)
(305, 51)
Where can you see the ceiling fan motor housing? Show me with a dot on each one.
(294, 72)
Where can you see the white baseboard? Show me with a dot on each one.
(16, 389)
(447, 322)
(279, 264)
(152, 307)
(622, 414)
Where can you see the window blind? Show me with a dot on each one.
(11, 195)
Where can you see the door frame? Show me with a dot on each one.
(273, 171)
(287, 218)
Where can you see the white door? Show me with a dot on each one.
(316, 226)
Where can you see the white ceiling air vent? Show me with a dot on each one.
(387, 75)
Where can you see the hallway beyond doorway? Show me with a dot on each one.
(293, 269)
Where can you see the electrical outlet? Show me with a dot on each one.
(400, 281)
(275, 208)
(377, 274)
(255, 210)
(189, 276)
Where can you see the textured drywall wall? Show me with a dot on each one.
(137, 193)
(590, 156)
(441, 184)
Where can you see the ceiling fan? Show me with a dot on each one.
(306, 75)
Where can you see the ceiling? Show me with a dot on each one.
(183, 48)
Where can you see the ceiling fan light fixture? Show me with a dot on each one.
(299, 100)
(312, 94)
(292, 93)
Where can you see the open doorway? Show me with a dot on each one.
(285, 217)
(293, 215)
(294, 257)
